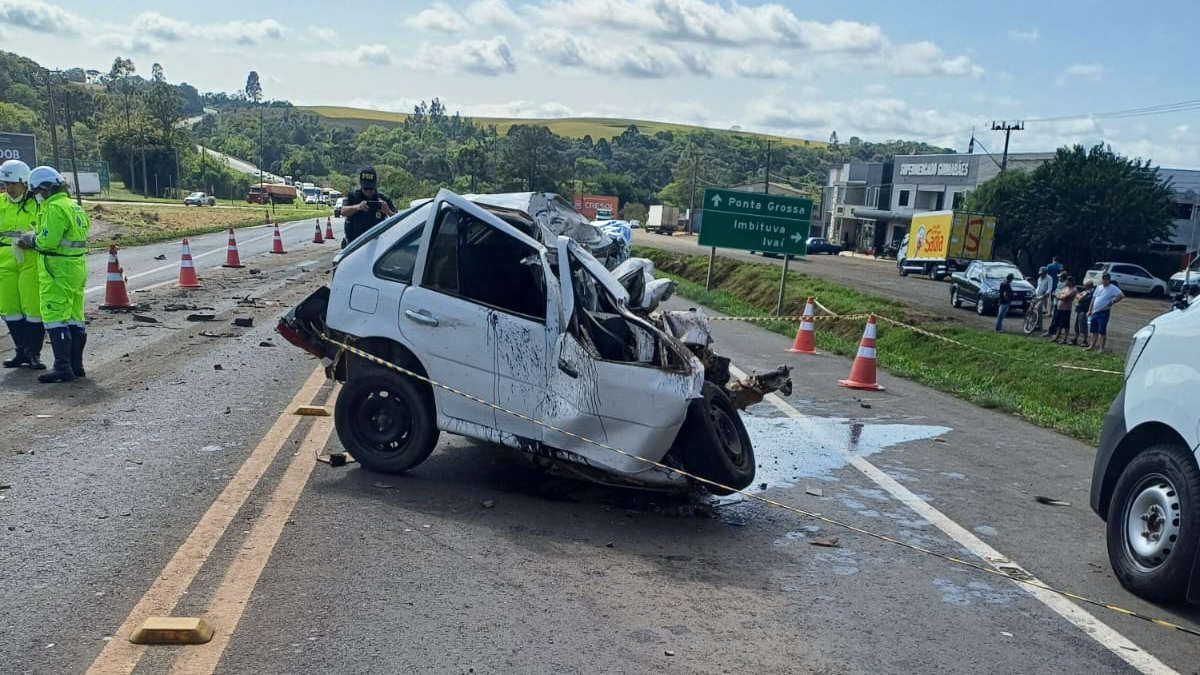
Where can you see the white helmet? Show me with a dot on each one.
(44, 176)
(14, 171)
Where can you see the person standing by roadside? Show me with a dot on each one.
(1083, 300)
(1004, 301)
(1062, 312)
(1042, 294)
(1053, 270)
(365, 207)
(20, 304)
(61, 239)
(1102, 302)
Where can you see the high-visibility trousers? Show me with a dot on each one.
(19, 285)
(62, 280)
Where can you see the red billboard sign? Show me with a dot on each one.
(588, 204)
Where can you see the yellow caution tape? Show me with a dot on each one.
(1015, 577)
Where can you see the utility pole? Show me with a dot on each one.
(71, 149)
(692, 199)
(52, 117)
(1007, 128)
(767, 175)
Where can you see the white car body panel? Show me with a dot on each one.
(1164, 381)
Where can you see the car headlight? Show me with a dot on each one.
(1137, 345)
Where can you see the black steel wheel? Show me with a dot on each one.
(714, 444)
(385, 421)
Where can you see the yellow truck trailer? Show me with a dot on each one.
(940, 242)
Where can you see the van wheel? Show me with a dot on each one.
(385, 421)
(1152, 524)
(903, 272)
(714, 444)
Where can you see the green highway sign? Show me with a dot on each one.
(753, 221)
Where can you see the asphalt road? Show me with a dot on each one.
(164, 485)
(879, 276)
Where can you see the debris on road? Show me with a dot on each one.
(266, 343)
(244, 322)
(210, 334)
(161, 257)
(753, 388)
(144, 319)
(865, 405)
(939, 440)
(255, 272)
(201, 316)
(669, 652)
(827, 542)
(1051, 501)
(217, 366)
(182, 307)
(816, 492)
(5, 487)
(489, 504)
(385, 486)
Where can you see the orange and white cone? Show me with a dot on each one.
(317, 239)
(862, 373)
(231, 258)
(277, 245)
(328, 228)
(806, 336)
(187, 269)
(116, 296)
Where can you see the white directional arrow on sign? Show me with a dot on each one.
(796, 237)
(716, 200)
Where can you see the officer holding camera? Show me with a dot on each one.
(365, 207)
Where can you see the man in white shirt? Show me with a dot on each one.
(1042, 293)
(1103, 299)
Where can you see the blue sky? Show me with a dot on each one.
(924, 70)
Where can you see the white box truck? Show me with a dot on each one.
(662, 219)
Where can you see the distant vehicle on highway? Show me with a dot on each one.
(1128, 277)
(337, 207)
(940, 243)
(1191, 275)
(1146, 480)
(199, 199)
(822, 245)
(979, 284)
(271, 193)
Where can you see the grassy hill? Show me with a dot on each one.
(569, 127)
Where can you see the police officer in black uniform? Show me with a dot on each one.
(366, 206)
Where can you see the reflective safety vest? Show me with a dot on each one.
(16, 219)
(62, 228)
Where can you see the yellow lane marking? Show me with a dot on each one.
(119, 656)
(229, 600)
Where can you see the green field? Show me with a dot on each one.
(569, 127)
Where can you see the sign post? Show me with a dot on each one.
(18, 146)
(751, 221)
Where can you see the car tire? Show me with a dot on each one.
(981, 307)
(713, 442)
(385, 421)
(903, 272)
(1157, 493)
(955, 301)
(1158, 292)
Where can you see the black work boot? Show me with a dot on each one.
(60, 342)
(17, 329)
(35, 337)
(78, 341)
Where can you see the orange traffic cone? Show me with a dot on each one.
(329, 228)
(862, 373)
(231, 258)
(115, 294)
(806, 336)
(187, 270)
(277, 246)
(317, 239)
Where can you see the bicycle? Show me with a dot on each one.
(1034, 315)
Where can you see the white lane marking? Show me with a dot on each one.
(1108, 638)
(224, 249)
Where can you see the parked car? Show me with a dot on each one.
(1191, 275)
(488, 300)
(337, 207)
(199, 199)
(979, 284)
(822, 245)
(1146, 480)
(1128, 277)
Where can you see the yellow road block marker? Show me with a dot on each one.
(313, 410)
(172, 630)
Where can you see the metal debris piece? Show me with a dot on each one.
(1051, 501)
(144, 319)
(244, 322)
(162, 256)
(827, 542)
(754, 388)
(266, 343)
(201, 316)
(816, 492)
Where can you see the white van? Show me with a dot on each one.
(1191, 275)
(1146, 480)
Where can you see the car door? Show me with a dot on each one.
(1128, 279)
(968, 290)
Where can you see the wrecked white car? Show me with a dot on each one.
(482, 297)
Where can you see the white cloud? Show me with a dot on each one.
(246, 32)
(874, 118)
(743, 64)
(1087, 71)
(438, 17)
(494, 14)
(39, 17)
(363, 55)
(558, 47)
(481, 57)
(323, 34)
(159, 26)
(877, 90)
(1030, 35)
(925, 58)
(127, 43)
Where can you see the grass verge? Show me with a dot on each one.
(139, 224)
(1006, 372)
